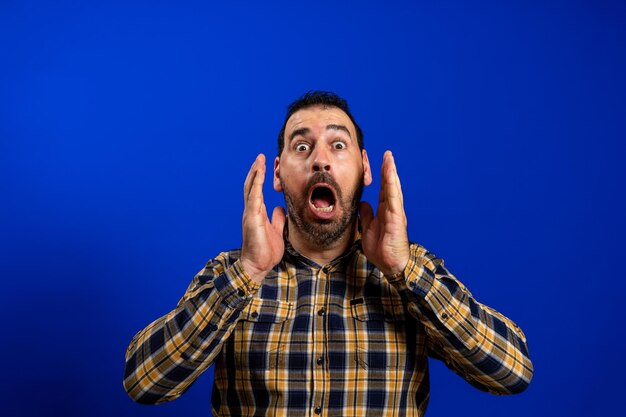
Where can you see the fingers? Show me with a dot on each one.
(253, 186)
(384, 179)
(394, 175)
(248, 182)
(366, 213)
(390, 185)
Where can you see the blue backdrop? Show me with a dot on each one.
(126, 131)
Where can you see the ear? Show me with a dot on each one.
(277, 186)
(367, 172)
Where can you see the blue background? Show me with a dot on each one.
(126, 131)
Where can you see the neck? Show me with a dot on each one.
(321, 255)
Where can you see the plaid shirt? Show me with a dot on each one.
(338, 340)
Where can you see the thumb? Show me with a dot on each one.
(366, 213)
(278, 219)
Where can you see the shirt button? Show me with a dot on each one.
(240, 292)
(412, 284)
(319, 360)
(254, 314)
(444, 316)
(321, 312)
(318, 410)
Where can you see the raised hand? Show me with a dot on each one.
(384, 237)
(263, 245)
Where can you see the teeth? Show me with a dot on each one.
(325, 209)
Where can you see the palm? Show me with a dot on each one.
(262, 240)
(384, 237)
(263, 244)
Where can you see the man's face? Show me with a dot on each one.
(321, 172)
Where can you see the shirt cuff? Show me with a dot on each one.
(416, 275)
(235, 286)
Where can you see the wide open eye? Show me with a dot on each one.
(339, 145)
(302, 147)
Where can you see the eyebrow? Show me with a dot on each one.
(303, 131)
(339, 127)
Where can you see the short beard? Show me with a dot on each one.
(323, 233)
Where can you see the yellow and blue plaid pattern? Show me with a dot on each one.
(339, 340)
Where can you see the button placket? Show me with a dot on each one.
(319, 337)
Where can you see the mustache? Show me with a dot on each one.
(320, 177)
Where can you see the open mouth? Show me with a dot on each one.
(323, 198)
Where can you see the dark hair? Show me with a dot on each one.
(315, 98)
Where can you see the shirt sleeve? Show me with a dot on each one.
(475, 341)
(165, 358)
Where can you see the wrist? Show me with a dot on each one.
(252, 272)
(397, 271)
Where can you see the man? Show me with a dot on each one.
(322, 312)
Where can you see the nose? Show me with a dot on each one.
(321, 160)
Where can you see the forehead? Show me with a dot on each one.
(318, 117)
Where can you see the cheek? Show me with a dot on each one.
(294, 171)
(292, 177)
(351, 169)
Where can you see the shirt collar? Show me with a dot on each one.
(297, 256)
